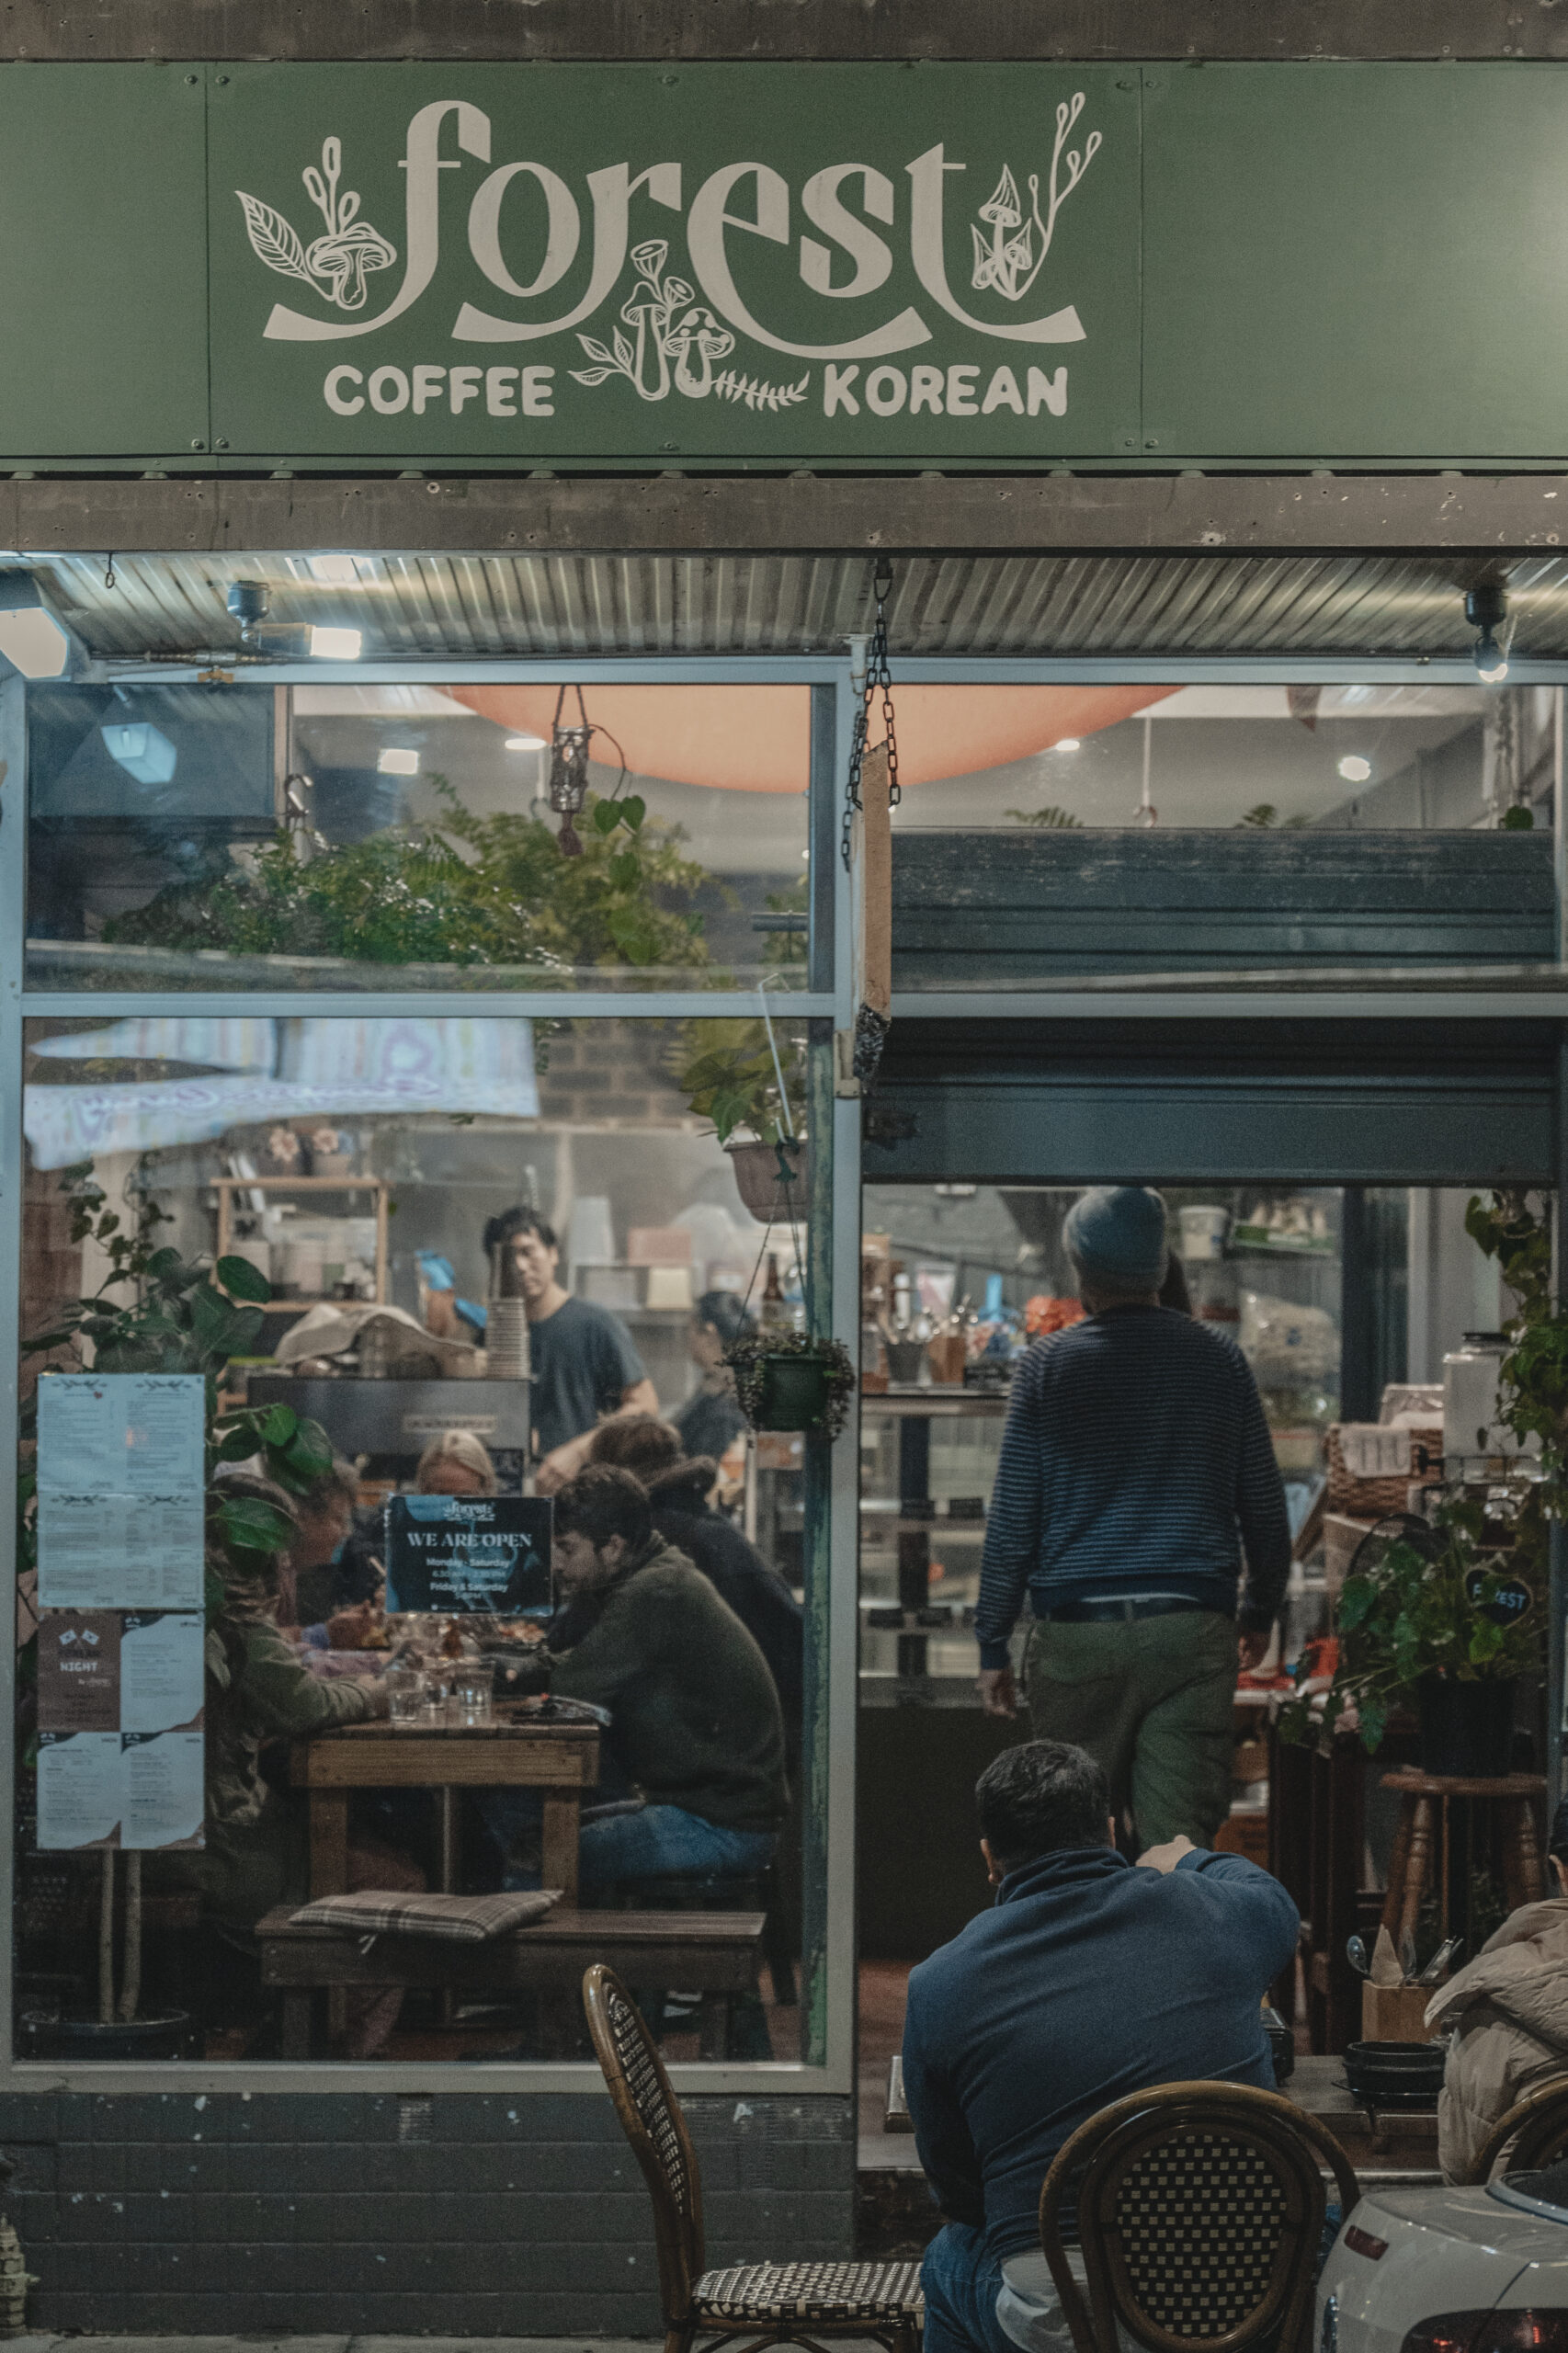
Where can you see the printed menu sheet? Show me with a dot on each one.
(121, 1511)
(120, 1742)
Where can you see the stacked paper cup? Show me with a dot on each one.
(506, 1340)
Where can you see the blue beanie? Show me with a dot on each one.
(1118, 1232)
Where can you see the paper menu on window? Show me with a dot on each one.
(121, 1551)
(120, 1433)
(161, 1659)
(79, 1801)
(78, 1670)
(162, 1791)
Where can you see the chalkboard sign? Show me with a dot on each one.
(466, 1555)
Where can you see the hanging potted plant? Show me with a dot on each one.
(790, 1380)
(1441, 1619)
(752, 1085)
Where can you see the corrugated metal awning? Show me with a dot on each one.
(456, 606)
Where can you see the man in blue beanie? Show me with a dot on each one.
(1137, 1481)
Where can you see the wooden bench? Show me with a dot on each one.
(712, 1954)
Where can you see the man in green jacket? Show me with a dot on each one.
(695, 1726)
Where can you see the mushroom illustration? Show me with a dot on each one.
(645, 309)
(701, 329)
(347, 257)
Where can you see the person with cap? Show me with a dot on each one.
(1139, 1504)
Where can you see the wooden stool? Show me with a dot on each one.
(1410, 1864)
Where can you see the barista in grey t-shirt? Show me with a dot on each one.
(585, 1366)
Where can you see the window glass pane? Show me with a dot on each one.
(353, 1178)
(348, 836)
(1162, 830)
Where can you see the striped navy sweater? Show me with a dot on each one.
(1136, 1458)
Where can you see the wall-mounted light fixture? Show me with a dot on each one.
(1486, 610)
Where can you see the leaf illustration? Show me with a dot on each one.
(595, 350)
(591, 375)
(622, 351)
(273, 239)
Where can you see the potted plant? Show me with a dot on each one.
(1439, 1618)
(790, 1380)
(180, 1315)
(752, 1085)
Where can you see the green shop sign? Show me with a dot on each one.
(783, 264)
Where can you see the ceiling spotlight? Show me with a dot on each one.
(1486, 610)
(1067, 744)
(525, 743)
(246, 602)
(33, 641)
(397, 761)
(1354, 768)
(336, 644)
(333, 571)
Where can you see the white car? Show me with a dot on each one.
(1449, 2271)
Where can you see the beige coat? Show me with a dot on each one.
(1510, 2007)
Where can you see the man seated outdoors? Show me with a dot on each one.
(695, 1741)
(1089, 1978)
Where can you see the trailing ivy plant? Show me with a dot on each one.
(157, 1311)
(464, 890)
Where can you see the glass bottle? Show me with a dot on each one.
(773, 1314)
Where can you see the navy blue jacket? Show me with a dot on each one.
(1135, 1458)
(1088, 1979)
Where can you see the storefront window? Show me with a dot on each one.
(1053, 834)
(465, 836)
(217, 1726)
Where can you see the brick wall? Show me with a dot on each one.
(608, 1070)
(461, 2214)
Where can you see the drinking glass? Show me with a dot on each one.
(405, 1694)
(472, 1688)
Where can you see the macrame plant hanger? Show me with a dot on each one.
(871, 794)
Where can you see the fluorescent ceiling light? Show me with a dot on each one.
(1354, 768)
(142, 752)
(333, 571)
(1067, 744)
(31, 639)
(336, 644)
(525, 743)
(395, 761)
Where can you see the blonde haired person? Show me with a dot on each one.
(456, 1463)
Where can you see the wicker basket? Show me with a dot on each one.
(1373, 1499)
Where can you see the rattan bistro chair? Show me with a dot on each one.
(753, 2303)
(1538, 2128)
(1200, 2214)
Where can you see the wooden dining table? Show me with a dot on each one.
(515, 1751)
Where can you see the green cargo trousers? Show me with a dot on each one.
(1152, 1700)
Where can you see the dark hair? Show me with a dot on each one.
(1040, 1797)
(640, 1443)
(513, 1221)
(725, 1314)
(1558, 1843)
(602, 1502)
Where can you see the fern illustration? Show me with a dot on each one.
(758, 395)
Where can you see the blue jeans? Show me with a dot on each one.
(653, 1842)
(961, 2283)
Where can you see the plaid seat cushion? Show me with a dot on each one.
(469, 1919)
(811, 2291)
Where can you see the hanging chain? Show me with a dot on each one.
(878, 678)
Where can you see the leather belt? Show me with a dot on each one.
(1076, 1613)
